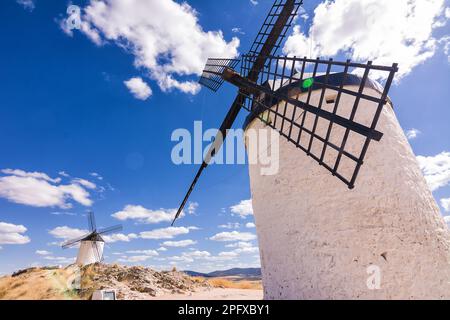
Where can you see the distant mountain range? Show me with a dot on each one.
(235, 272)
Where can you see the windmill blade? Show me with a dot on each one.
(110, 229)
(91, 221)
(218, 142)
(320, 124)
(71, 243)
(267, 41)
(211, 77)
(272, 33)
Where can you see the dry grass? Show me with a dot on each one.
(235, 283)
(39, 284)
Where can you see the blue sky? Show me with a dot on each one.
(78, 135)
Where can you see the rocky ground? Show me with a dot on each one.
(131, 283)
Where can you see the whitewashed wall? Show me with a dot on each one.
(317, 238)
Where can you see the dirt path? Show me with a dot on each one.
(216, 294)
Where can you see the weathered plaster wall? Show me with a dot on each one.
(317, 237)
(86, 253)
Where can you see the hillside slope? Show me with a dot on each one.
(131, 283)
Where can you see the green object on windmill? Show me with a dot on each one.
(308, 83)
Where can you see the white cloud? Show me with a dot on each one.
(237, 30)
(192, 208)
(165, 233)
(250, 225)
(243, 208)
(63, 260)
(143, 215)
(119, 237)
(64, 174)
(228, 254)
(162, 249)
(134, 259)
(230, 225)
(36, 175)
(179, 244)
(27, 4)
(254, 2)
(445, 203)
(233, 236)
(139, 88)
(43, 253)
(84, 183)
(170, 45)
(39, 190)
(445, 43)
(150, 253)
(96, 175)
(384, 31)
(12, 234)
(190, 256)
(412, 134)
(57, 213)
(436, 169)
(240, 244)
(67, 233)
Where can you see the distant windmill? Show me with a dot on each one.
(91, 244)
(384, 239)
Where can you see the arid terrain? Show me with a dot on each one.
(130, 283)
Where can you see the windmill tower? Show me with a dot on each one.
(344, 218)
(91, 244)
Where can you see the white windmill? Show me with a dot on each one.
(91, 244)
(343, 218)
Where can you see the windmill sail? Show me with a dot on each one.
(110, 229)
(282, 99)
(91, 221)
(71, 243)
(268, 40)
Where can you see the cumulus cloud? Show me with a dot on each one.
(39, 190)
(43, 253)
(13, 234)
(233, 236)
(436, 169)
(143, 215)
(254, 2)
(133, 259)
(171, 45)
(380, 30)
(166, 233)
(243, 208)
(63, 260)
(139, 88)
(67, 233)
(240, 244)
(250, 225)
(179, 244)
(150, 253)
(412, 134)
(230, 225)
(84, 183)
(119, 237)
